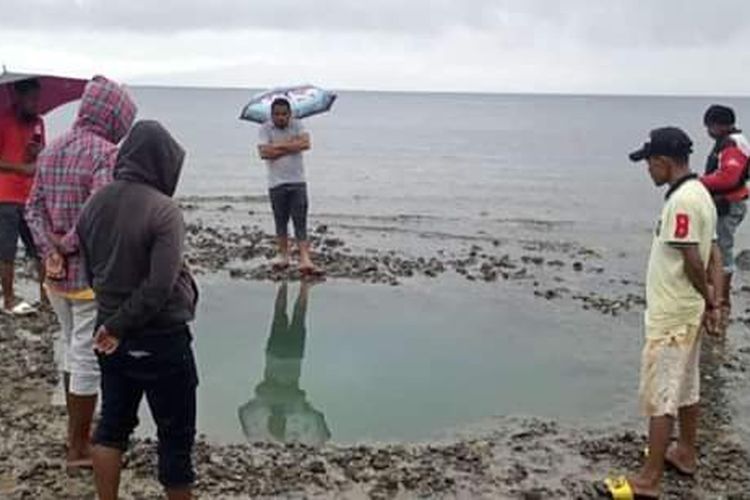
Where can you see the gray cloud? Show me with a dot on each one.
(615, 23)
(612, 46)
(663, 23)
(180, 15)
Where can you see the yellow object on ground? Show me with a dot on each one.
(619, 488)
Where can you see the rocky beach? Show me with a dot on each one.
(525, 458)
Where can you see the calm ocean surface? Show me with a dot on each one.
(556, 158)
(377, 363)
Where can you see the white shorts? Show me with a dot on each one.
(78, 319)
(670, 372)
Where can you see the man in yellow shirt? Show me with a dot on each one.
(684, 276)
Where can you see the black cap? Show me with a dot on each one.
(665, 141)
(719, 115)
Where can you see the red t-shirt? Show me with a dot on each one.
(15, 136)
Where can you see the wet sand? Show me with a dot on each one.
(508, 458)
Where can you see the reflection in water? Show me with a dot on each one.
(280, 411)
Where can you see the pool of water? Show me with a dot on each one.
(348, 362)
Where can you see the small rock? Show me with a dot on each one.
(317, 467)
(743, 260)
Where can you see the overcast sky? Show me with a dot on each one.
(579, 46)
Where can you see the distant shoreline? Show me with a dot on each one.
(455, 93)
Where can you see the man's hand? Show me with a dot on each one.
(696, 271)
(712, 321)
(104, 342)
(56, 241)
(712, 313)
(298, 144)
(54, 266)
(291, 146)
(270, 152)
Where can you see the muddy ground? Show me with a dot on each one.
(512, 458)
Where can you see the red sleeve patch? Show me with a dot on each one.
(682, 226)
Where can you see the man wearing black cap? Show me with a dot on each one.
(725, 178)
(683, 266)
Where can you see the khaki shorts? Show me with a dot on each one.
(670, 372)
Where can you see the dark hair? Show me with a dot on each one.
(719, 115)
(23, 87)
(280, 101)
(681, 159)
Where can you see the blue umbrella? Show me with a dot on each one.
(306, 100)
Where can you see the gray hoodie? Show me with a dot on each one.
(133, 234)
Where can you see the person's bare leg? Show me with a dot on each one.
(727, 290)
(299, 212)
(726, 309)
(684, 454)
(304, 254)
(80, 416)
(7, 270)
(107, 465)
(66, 384)
(79, 427)
(180, 494)
(283, 258)
(305, 261)
(40, 273)
(648, 480)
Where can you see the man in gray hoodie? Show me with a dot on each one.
(132, 235)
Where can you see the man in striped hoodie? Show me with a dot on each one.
(68, 172)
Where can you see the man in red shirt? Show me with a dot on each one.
(726, 178)
(21, 140)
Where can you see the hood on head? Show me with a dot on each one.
(106, 109)
(150, 155)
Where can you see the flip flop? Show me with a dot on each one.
(621, 489)
(23, 309)
(20, 310)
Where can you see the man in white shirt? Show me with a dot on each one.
(282, 140)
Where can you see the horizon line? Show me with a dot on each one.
(451, 92)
